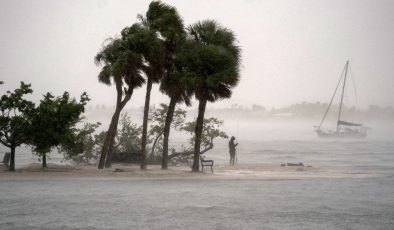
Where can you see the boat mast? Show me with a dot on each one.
(329, 105)
(343, 91)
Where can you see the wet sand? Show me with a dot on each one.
(245, 171)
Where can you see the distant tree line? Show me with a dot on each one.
(310, 110)
(304, 110)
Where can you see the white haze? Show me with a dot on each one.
(293, 51)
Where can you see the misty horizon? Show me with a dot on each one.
(292, 51)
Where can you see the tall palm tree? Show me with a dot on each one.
(215, 62)
(120, 65)
(146, 41)
(175, 87)
(168, 23)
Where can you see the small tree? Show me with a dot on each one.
(128, 136)
(211, 131)
(82, 143)
(53, 122)
(127, 141)
(14, 122)
(158, 117)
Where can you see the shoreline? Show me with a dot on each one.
(154, 172)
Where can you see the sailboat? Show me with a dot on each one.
(344, 129)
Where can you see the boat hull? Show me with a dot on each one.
(339, 135)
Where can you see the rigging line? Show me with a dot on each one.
(343, 91)
(237, 129)
(354, 86)
(236, 157)
(361, 118)
(329, 105)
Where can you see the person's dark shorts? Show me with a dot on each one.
(232, 153)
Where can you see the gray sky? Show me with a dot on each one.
(293, 51)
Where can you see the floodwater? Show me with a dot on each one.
(212, 204)
(361, 198)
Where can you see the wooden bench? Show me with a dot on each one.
(128, 158)
(206, 163)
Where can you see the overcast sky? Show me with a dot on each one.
(293, 51)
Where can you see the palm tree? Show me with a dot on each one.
(154, 54)
(168, 23)
(121, 65)
(146, 41)
(215, 62)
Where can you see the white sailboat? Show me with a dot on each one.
(344, 129)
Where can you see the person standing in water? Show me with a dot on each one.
(232, 146)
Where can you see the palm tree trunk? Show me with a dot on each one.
(167, 127)
(111, 137)
(198, 133)
(145, 124)
(44, 160)
(106, 151)
(11, 168)
(113, 131)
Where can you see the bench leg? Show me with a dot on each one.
(212, 169)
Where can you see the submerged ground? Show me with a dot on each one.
(350, 185)
(244, 197)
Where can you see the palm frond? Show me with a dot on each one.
(165, 19)
(105, 76)
(215, 61)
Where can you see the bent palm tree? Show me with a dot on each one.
(152, 49)
(168, 23)
(122, 66)
(215, 62)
